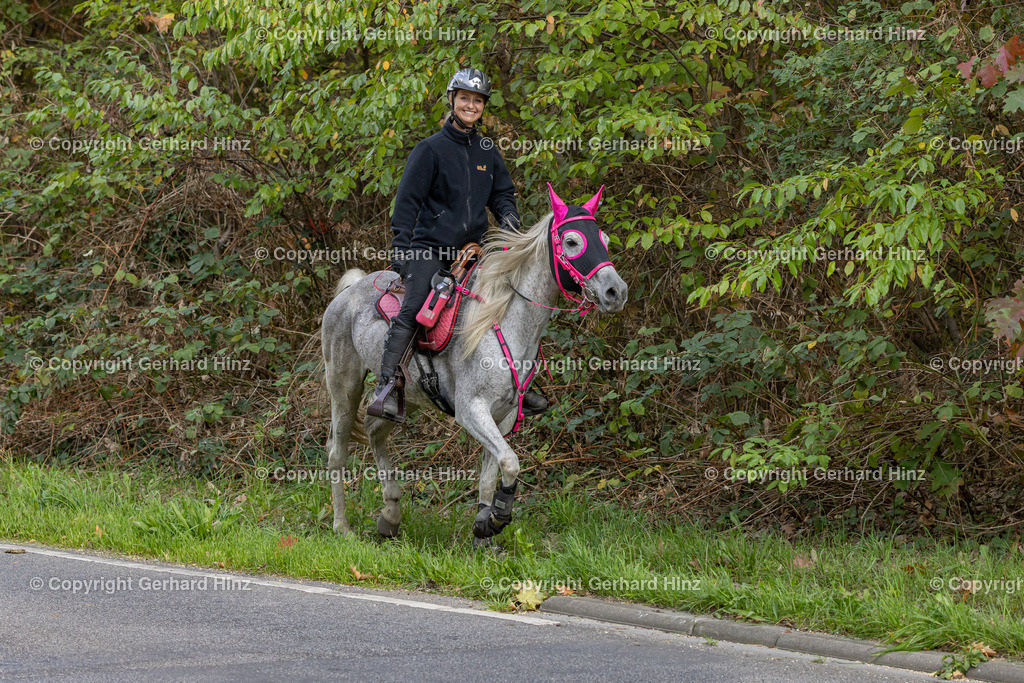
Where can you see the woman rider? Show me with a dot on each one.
(449, 180)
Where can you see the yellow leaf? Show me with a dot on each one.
(824, 184)
(529, 598)
(386, 65)
(1014, 215)
(551, 24)
(811, 345)
(302, 72)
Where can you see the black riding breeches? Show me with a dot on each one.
(418, 274)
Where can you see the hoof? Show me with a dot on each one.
(386, 528)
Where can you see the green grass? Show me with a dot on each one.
(866, 587)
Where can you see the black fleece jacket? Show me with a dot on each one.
(449, 181)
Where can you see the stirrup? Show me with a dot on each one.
(376, 409)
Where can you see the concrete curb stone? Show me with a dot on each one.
(769, 635)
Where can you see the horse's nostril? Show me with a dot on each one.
(611, 294)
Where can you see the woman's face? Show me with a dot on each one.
(469, 106)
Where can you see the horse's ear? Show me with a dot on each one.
(591, 205)
(557, 205)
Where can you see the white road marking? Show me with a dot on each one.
(288, 585)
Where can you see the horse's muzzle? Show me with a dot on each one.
(607, 290)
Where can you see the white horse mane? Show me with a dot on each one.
(505, 258)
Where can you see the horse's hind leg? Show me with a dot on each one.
(345, 386)
(377, 431)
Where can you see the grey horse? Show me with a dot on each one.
(516, 285)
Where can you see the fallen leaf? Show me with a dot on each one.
(529, 598)
(99, 531)
(803, 562)
(984, 649)
(286, 541)
(562, 590)
(360, 576)
(15, 551)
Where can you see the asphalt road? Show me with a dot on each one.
(138, 622)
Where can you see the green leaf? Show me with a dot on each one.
(914, 121)
(739, 418)
(1014, 101)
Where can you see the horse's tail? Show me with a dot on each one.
(351, 276)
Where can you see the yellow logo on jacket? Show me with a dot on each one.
(482, 168)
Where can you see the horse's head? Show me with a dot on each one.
(579, 255)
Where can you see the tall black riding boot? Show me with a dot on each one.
(385, 399)
(534, 403)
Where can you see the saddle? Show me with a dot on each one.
(435, 339)
(438, 336)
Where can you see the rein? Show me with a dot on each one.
(582, 302)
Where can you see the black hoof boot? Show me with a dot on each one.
(491, 519)
(386, 528)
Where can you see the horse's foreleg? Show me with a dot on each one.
(488, 477)
(499, 456)
(390, 517)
